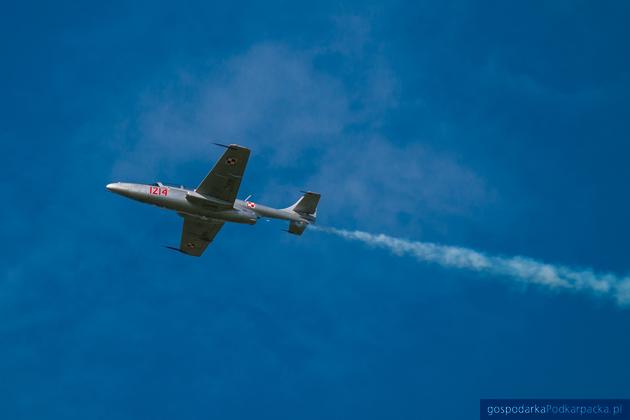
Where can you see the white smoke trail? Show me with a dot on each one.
(519, 268)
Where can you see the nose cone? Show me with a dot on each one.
(133, 191)
(115, 187)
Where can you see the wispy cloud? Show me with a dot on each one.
(294, 112)
(522, 269)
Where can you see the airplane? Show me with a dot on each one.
(206, 208)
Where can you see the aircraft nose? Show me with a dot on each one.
(124, 189)
(113, 187)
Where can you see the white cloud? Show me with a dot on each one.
(278, 102)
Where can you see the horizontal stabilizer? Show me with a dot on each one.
(297, 228)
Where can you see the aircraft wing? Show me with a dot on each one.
(197, 234)
(224, 179)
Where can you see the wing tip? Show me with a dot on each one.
(231, 146)
(181, 251)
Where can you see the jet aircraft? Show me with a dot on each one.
(206, 208)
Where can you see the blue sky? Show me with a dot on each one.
(499, 127)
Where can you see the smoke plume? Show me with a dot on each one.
(518, 268)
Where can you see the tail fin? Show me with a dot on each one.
(307, 204)
(306, 207)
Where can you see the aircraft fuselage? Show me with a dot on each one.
(191, 203)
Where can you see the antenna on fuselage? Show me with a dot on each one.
(248, 197)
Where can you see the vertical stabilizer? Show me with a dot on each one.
(306, 207)
(307, 204)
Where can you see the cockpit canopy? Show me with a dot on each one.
(159, 184)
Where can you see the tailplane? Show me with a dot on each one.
(297, 228)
